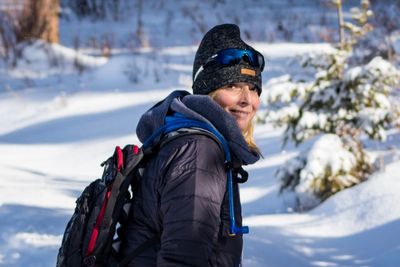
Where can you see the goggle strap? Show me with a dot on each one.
(202, 66)
(198, 72)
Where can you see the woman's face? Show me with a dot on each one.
(241, 100)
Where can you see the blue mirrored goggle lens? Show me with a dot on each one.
(233, 56)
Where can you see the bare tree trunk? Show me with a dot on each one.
(51, 34)
(341, 23)
(39, 20)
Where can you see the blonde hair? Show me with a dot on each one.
(248, 133)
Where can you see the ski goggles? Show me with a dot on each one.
(232, 56)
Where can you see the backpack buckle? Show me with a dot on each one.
(229, 165)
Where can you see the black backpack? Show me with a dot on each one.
(90, 237)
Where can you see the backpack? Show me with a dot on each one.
(91, 237)
(101, 210)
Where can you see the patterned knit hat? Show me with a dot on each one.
(211, 78)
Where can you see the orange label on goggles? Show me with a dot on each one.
(248, 72)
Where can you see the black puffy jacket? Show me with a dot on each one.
(182, 197)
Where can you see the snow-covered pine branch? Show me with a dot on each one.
(331, 165)
(360, 99)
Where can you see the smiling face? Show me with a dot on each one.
(241, 100)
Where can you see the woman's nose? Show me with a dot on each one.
(245, 95)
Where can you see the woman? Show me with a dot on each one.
(182, 201)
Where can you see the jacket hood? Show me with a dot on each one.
(202, 108)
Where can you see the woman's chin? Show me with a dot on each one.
(242, 124)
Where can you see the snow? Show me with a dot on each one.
(311, 119)
(395, 39)
(35, 240)
(50, 59)
(356, 227)
(58, 124)
(375, 68)
(326, 153)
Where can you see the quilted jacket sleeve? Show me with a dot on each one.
(190, 201)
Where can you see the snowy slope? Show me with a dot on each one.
(52, 143)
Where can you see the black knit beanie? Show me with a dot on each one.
(218, 38)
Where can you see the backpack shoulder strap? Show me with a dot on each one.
(177, 122)
(189, 131)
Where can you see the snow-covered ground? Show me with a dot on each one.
(56, 131)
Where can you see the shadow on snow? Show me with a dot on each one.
(40, 222)
(283, 249)
(108, 124)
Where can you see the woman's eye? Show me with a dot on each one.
(254, 90)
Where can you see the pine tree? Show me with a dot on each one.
(342, 100)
